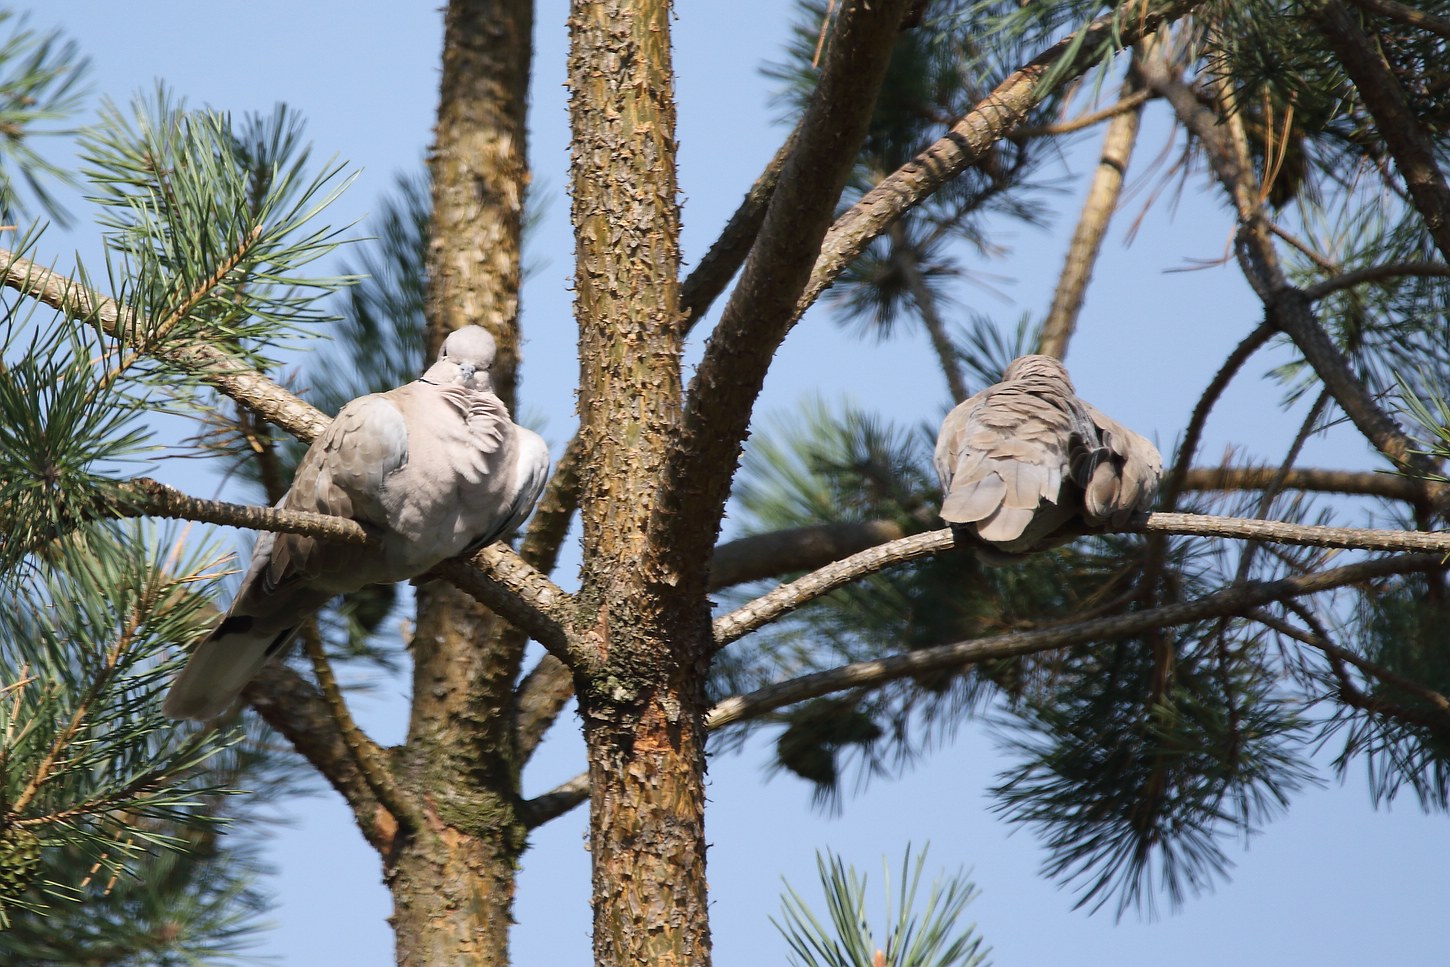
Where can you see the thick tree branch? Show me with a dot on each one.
(1405, 138)
(788, 597)
(500, 579)
(217, 367)
(760, 311)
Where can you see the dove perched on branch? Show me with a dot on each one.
(433, 469)
(1025, 464)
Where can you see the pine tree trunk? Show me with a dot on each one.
(641, 691)
(453, 882)
(647, 821)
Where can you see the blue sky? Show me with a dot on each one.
(1331, 883)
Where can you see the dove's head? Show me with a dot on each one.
(1037, 367)
(465, 358)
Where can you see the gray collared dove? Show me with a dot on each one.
(1025, 464)
(433, 469)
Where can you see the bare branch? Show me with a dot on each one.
(963, 145)
(1287, 307)
(795, 549)
(523, 595)
(713, 272)
(371, 762)
(1235, 599)
(1092, 224)
(1388, 485)
(1375, 273)
(538, 700)
(555, 803)
(227, 374)
(1238, 599)
(144, 497)
(1128, 104)
(788, 597)
(292, 706)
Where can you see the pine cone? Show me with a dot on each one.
(19, 862)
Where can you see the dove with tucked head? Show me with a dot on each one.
(1025, 464)
(433, 469)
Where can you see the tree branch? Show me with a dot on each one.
(700, 462)
(1388, 485)
(1384, 97)
(1286, 306)
(795, 549)
(713, 272)
(1235, 600)
(1406, 14)
(1092, 224)
(366, 754)
(1375, 273)
(496, 576)
(788, 597)
(292, 706)
(217, 367)
(969, 138)
(523, 595)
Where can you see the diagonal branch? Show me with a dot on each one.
(969, 138)
(217, 367)
(293, 706)
(1092, 224)
(1287, 307)
(1404, 136)
(760, 311)
(704, 284)
(368, 756)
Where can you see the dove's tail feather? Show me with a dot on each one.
(219, 668)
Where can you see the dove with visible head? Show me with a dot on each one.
(432, 469)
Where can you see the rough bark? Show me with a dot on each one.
(641, 697)
(453, 884)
